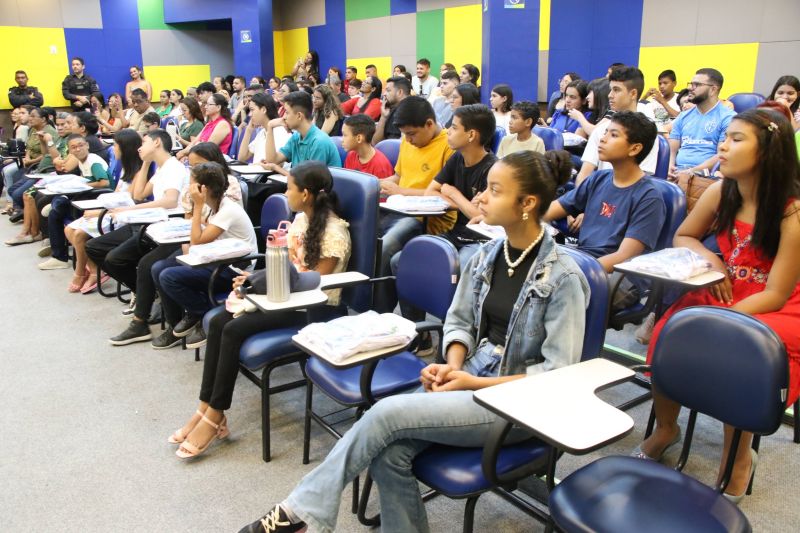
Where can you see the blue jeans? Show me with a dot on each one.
(386, 440)
(19, 187)
(55, 227)
(185, 288)
(10, 175)
(396, 231)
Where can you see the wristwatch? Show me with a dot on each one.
(50, 144)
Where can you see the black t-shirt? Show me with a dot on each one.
(504, 292)
(468, 180)
(390, 131)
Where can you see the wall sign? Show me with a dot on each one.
(246, 36)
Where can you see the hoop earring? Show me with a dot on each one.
(524, 216)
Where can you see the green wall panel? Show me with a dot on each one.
(430, 37)
(366, 9)
(151, 17)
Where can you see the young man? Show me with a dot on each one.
(204, 90)
(350, 73)
(523, 117)
(664, 100)
(696, 133)
(307, 142)
(626, 86)
(440, 99)
(423, 83)
(140, 108)
(423, 154)
(397, 89)
(357, 132)
(624, 212)
(370, 70)
(239, 85)
(118, 253)
(95, 170)
(24, 94)
(78, 87)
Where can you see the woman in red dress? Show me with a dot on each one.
(755, 213)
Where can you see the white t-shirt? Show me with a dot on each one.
(234, 223)
(660, 114)
(501, 121)
(171, 175)
(590, 154)
(424, 89)
(258, 146)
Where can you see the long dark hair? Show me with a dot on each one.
(474, 73)
(779, 180)
(377, 90)
(224, 112)
(128, 142)
(314, 177)
(266, 101)
(582, 88)
(210, 152)
(194, 108)
(469, 93)
(540, 175)
(505, 91)
(599, 88)
(215, 178)
(791, 81)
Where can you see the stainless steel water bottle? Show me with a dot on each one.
(277, 264)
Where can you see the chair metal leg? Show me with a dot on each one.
(307, 422)
(796, 413)
(265, 427)
(650, 422)
(687, 441)
(354, 503)
(469, 513)
(375, 521)
(197, 354)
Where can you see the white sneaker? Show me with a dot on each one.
(53, 264)
(46, 210)
(45, 250)
(645, 331)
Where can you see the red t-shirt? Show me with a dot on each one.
(373, 109)
(379, 166)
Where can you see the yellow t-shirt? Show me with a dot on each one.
(418, 166)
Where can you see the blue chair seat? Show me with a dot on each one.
(393, 375)
(457, 472)
(267, 346)
(622, 494)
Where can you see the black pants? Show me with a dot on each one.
(100, 247)
(145, 284)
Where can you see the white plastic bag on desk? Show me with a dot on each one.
(113, 200)
(673, 263)
(338, 339)
(142, 216)
(419, 204)
(173, 228)
(220, 249)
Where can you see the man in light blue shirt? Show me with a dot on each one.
(697, 132)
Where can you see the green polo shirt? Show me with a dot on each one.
(316, 146)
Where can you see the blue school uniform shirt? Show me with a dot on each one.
(562, 122)
(700, 134)
(316, 146)
(611, 213)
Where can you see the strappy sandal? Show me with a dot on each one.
(179, 436)
(189, 450)
(76, 287)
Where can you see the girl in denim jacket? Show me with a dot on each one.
(489, 338)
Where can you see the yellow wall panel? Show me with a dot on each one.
(544, 25)
(289, 45)
(463, 31)
(176, 76)
(46, 70)
(736, 62)
(383, 64)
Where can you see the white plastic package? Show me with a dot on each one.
(672, 263)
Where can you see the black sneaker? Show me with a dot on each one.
(167, 339)
(274, 521)
(185, 326)
(196, 337)
(136, 331)
(424, 345)
(16, 216)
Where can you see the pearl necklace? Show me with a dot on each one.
(514, 264)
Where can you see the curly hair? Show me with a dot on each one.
(330, 104)
(314, 177)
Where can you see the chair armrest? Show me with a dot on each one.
(183, 259)
(491, 451)
(342, 279)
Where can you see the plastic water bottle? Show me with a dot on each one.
(277, 264)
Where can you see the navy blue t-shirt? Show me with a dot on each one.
(612, 213)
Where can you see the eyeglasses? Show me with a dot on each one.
(696, 84)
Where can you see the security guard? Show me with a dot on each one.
(78, 87)
(24, 94)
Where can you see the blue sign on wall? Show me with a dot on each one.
(515, 4)
(246, 36)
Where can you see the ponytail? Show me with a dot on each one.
(314, 177)
(540, 175)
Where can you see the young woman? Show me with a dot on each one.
(99, 109)
(318, 240)
(575, 113)
(19, 123)
(175, 99)
(126, 151)
(556, 101)
(274, 84)
(787, 92)
(138, 82)
(463, 94)
(307, 65)
(219, 83)
(218, 128)
(369, 102)
(470, 74)
(287, 86)
(214, 216)
(164, 104)
(328, 115)
(258, 80)
(111, 120)
(597, 102)
(755, 214)
(262, 109)
(192, 123)
(208, 152)
(501, 100)
(399, 70)
(537, 314)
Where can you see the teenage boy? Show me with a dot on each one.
(357, 132)
(664, 100)
(696, 133)
(398, 89)
(118, 253)
(308, 142)
(423, 83)
(624, 212)
(523, 117)
(441, 101)
(625, 89)
(423, 153)
(95, 170)
(350, 73)
(150, 121)
(370, 70)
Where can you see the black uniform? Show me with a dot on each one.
(73, 86)
(19, 96)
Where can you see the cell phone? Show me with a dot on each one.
(238, 271)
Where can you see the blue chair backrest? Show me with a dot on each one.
(662, 162)
(553, 140)
(358, 199)
(114, 167)
(390, 148)
(675, 202)
(744, 101)
(165, 121)
(431, 287)
(499, 133)
(597, 312)
(275, 209)
(234, 148)
(692, 364)
(342, 152)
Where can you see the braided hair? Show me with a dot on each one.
(314, 177)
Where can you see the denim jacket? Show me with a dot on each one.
(546, 327)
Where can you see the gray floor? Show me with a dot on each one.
(85, 426)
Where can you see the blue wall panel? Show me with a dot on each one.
(402, 7)
(329, 40)
(108, 55)
(119, 15)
